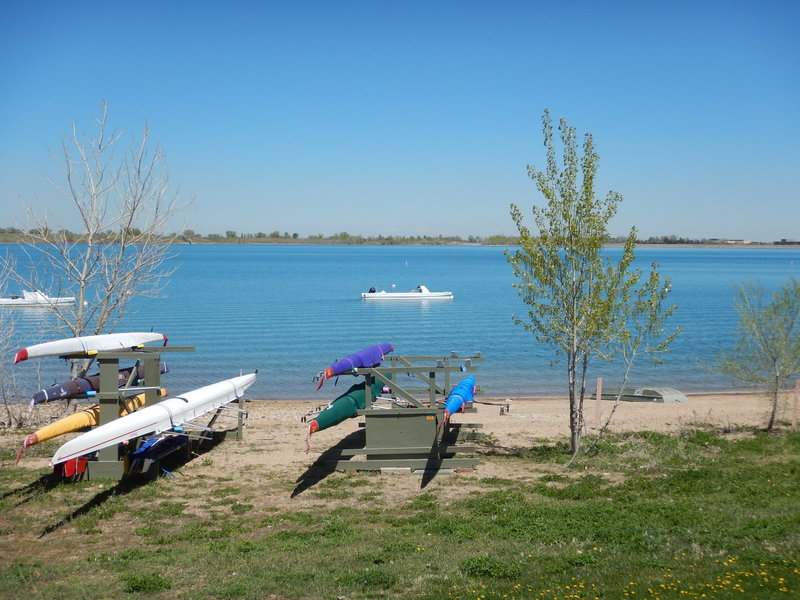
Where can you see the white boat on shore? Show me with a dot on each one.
(418, 293)
(37, 299)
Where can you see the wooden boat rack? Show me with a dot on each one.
(407, 434)
(110, 461)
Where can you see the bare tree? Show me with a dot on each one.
(14, 416)
(124, 206)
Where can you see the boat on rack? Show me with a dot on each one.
(88, 417)
(90, 385)
(156, 418)
(368, 357)
(418, 293)
(36, 299)
(89, 344)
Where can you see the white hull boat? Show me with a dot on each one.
(418, 293)
(88, 344)
(157, 418)
(37, 299)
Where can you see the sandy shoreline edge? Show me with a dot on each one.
(275, 437)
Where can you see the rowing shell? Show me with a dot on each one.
(459, 396)
(368, 357)
(88, 344)
(88, 417)
(154, 419)
(84, 386)
(345, 406)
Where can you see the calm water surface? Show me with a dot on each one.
(290, 311)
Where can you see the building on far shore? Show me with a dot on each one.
(727, 241)
(788, 242)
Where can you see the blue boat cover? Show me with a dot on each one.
(461, 394)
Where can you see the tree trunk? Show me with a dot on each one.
(574, 407)
(775, 395)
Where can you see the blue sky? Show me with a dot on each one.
(407, 118)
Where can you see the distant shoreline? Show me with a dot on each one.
(6, 239)
(726, 245)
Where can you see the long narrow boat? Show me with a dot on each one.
(84, 386)
(664, 395)
(88, 417)
(344, 407)
(459, 396)
(154, 419)
(368, 357)
(89, 343)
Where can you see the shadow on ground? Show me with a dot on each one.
(324, 465)
(124, 486)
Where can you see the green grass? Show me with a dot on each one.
(649, 516)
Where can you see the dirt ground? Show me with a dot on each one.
(274, 427)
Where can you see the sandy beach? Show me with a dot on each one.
(272, 455)
(275, 427)
(528, 421)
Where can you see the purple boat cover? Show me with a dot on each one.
(368, 357)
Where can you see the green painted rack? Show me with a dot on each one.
(110, 463)
(404, 435)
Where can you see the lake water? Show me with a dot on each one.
(290, 311)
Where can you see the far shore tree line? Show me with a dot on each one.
(14, 235)
(585, 305)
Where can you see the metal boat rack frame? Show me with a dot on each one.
(110, 461)
(409, 437)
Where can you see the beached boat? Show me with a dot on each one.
(663, 395)
(418, 293)
(36, 299)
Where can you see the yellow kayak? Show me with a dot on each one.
(88, 417)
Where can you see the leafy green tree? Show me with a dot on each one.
(581, 302)
(766, 354)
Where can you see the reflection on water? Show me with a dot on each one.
(407, 308)
(29, 316)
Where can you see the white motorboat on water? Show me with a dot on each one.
(418, 293)
(36, 298)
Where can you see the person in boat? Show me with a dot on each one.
(418, 289)
(371, 290)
